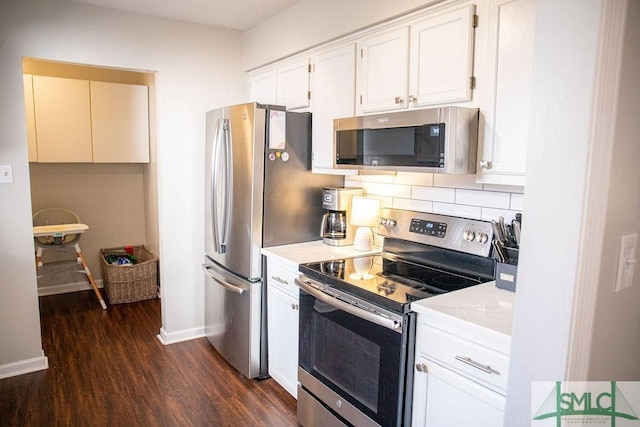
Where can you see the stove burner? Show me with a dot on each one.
(447, 280)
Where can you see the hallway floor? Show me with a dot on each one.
(108, 368)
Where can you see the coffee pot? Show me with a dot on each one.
(336, 229)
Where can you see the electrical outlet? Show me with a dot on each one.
(6, 174)
(626, 261)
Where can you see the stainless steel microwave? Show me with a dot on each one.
(435, 140)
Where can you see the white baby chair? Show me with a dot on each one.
(59, 228)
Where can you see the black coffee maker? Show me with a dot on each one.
(336, 229)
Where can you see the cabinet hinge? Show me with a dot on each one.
(474, 21)
(472, 82)
(309, 95)
(309, 66)
(361, 53)
(360, 99)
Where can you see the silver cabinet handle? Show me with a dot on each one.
(485, 368)
(413, 98)
(422, 367)
(346, 307)
(279, 279)
(485, 164)
(226, 285)
(295, 306)
(399, 100)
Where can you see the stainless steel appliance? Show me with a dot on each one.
(436, 140)
(357, 333)
(259, 192)
(336, 228)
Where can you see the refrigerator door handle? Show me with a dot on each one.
(221, 158)
(226, 285)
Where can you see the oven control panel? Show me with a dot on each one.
(428, 228)
(461, 234)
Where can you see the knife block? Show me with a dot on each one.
(507, 272)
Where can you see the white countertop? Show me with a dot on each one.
(482, 309)
(291, 256)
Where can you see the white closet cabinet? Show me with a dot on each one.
(333, 76)
(63, 120)
(502, 153)
(119, 123)
(31, 118)
(282, 325)
(437, 69)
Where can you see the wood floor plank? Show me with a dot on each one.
(107, 368)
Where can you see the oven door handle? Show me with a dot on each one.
(349, 308)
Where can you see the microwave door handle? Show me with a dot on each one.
(215, 168)
(344, 306)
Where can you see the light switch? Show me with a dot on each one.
(626, 261)
(6, 174)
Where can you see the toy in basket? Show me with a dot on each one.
(129, 274)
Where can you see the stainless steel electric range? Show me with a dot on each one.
(356, 329)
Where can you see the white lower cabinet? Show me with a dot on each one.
(282, 325)
(459, 380)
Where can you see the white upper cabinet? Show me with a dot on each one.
(287, 84)
(63, 120)
(292, 84)
(441, 65)
(437, 69)
(119, 123)
(333, 77)
(31, 118)
(502, 154)
(383, 72)
(262, 87)
(78, 121)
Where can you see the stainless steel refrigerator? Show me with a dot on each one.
(259, 192)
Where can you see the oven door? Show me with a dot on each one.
(352, 360)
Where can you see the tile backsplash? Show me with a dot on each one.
(456, 195)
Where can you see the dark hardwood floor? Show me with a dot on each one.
(107, 368)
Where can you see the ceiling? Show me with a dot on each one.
(238, 15)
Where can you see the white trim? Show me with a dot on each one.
(603, 122)
(176, 337)
(24, 366)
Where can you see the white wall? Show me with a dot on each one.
(617, 317)
(557, 158)
(309, 23)
(198, 68)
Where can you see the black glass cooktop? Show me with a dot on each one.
(386, 280)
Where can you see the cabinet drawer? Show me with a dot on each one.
(467, 357)
(283, 279)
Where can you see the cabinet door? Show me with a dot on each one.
(262, 87)
(333, 79)
(442, 58)
(502, 155)
(119, 123)
(442, 398)
(63, 119)
(282, 329)
(31, 118)
(292, 84)
(383, 63)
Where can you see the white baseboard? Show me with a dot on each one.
(66, 288)
(175, 337)
(24, 366)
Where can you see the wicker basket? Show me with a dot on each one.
(132, 282)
